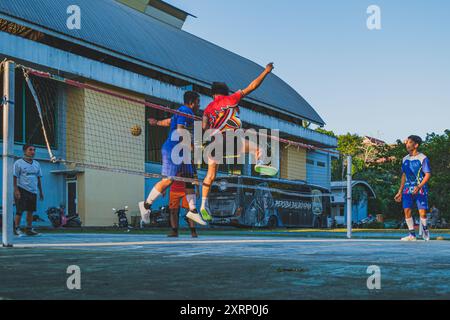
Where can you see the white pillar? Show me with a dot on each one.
(349, 197)
(8, 154)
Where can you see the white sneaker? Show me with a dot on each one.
(194, 216)
(409, 238)
(18, 232)
(426, 235)
(145, 213)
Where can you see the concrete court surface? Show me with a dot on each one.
(222, 267)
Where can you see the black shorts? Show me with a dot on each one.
(27, 201)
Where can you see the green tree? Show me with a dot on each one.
(382, 170)
(348, 144)
(437, 149)
(327, 132)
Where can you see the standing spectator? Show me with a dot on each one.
(434, 215)
(317, 221)
(27, 182)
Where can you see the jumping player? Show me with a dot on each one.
(414, 187)
(222, 115)
(169, 168)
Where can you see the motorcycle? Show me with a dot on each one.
(58, 218)
(122, 219)
(363, 223)
(158, 218)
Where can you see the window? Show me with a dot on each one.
(321, 164)
(27, 124)
(309, 161)
(155, 136)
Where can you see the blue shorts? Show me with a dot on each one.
(421, 201)
(170, 169)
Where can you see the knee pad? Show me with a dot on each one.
(206, 185)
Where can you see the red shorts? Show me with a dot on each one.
(174, 200)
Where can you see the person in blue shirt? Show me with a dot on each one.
(416, 173)
(171, 167)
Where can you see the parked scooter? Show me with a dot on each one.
(58, 218)
(122, 219)
(363, 223)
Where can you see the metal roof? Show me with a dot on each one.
(343, 185)
(113, 28)
(165, 3)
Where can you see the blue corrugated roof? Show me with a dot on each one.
(109, 25)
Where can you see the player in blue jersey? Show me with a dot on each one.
(171, 168)
(414, 186)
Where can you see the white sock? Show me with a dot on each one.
(424, 223)
(204, 203)
(191, 201)
(410, 223)
(154, 194)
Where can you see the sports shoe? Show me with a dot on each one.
(18, 232)
(194, 216)
(205, 214)
(265, 170)
(409, 238)
(30, 232)
(145, 210)
(426, 235)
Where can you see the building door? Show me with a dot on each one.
(71, 192)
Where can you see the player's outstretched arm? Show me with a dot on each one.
(258, 81)
(160, 123)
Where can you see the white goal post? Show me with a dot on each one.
(8, 68)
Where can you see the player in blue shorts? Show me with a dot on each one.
(171, 169)
(414, 187)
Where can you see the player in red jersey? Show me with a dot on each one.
(222, 114)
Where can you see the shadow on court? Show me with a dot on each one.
(131, 266)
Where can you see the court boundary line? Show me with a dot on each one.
(195, 242)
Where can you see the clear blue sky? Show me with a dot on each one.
(387, 84)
